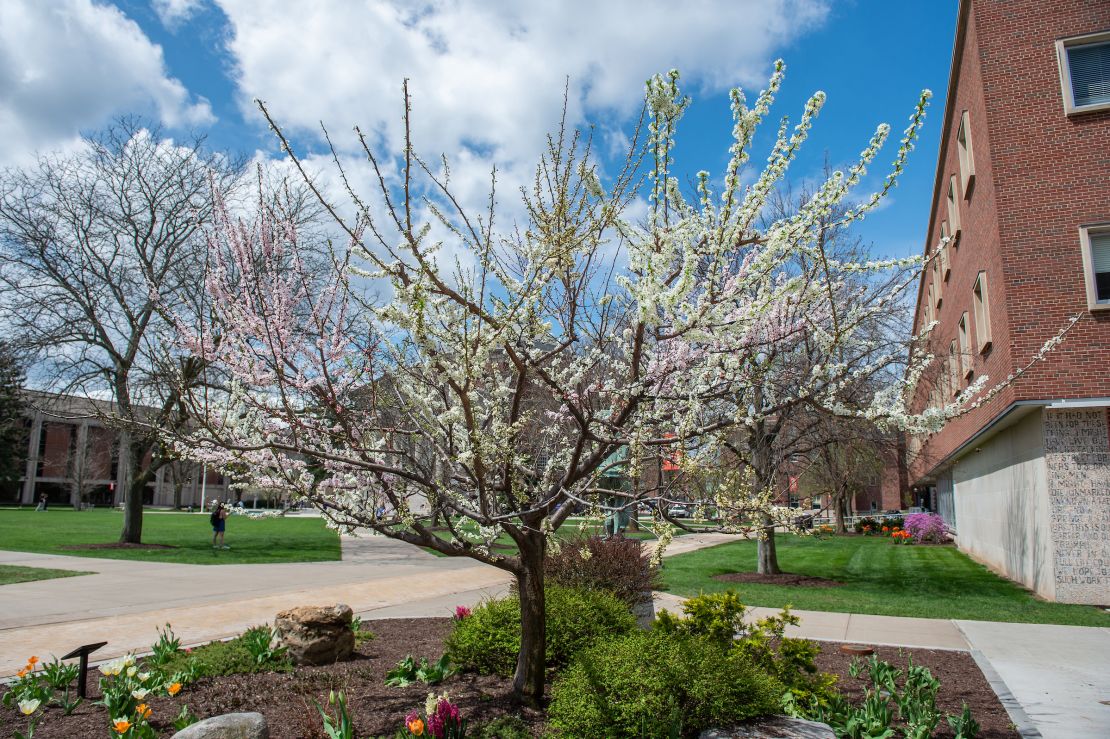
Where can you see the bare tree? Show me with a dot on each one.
(99, 246)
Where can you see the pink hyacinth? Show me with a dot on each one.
(461, 612)
(445, 718)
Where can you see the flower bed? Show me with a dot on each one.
(289, 699)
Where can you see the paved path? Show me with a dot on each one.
(125, 601)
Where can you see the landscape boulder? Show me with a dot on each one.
(773, 727)
(228, 726)
(316, 635)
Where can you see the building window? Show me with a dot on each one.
(953, 207)
(945, 266)
(1095, 241)
(953, 369)
(965, 347)
(929, 306)
(1085, 72)
(938, 280)
(982, 312)
(967, 157)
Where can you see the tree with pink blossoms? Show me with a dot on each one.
(508, 369)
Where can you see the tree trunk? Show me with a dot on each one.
(529, 675)
(133, 505)
(767, 558)
(838, 509)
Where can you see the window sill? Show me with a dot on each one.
(1099, 307)
(1074, 110)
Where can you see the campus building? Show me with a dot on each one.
(1022, 192)
(73, 458)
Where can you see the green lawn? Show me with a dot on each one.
(189, 536)
(504, 543)
(879, 577)
(13, 573)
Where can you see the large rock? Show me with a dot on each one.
(316, 635)
(228, 726)
(773, 727)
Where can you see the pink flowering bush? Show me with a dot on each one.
(925, 527)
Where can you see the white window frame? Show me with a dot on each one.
(980, 298)
(953, 369)
(1066, 90)
(938, 280)
(1085, 232)
(965, 345)
(954, 207)
(945, 265)
(967, 154)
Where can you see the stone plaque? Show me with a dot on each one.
(1077, 460)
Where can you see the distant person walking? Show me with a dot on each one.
(219, 522)
(44, 503)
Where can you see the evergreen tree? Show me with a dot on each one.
(13, 429)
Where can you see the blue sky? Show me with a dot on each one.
(487, 76)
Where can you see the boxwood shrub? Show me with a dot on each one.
(488, 640)
(658, 684)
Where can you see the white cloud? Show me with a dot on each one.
(69, 65)
(487, 77)
(173, 13)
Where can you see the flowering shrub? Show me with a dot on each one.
(925, 527)
(441, 720)
(461, 612)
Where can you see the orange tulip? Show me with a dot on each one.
(143, 710)
(416, 727)
(32, 660)
(174, 689)
(22, 672)
(121, 726)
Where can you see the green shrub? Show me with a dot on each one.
(872, 524)
(504, 727)
(488, 640)
(658, 684)
(232, 657)
(621, 566)
(720, 617)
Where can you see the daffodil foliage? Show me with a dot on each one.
(509, 373)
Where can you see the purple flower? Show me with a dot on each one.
(926, 527)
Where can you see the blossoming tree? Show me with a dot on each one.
(508, 370)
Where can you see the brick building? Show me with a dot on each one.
(71, 457)
(1023, 191)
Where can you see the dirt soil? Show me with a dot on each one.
(783, 578)
(286, 699)
(961, 681)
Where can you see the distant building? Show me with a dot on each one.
(73, 458)
(1023, 190)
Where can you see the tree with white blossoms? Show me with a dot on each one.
(511, 367)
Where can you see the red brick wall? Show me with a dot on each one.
(1039, 175)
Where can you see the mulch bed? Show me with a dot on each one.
(961, 681)
(118, 545)
(783, 578)
(286, 699)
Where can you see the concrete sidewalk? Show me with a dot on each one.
(124, 601)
